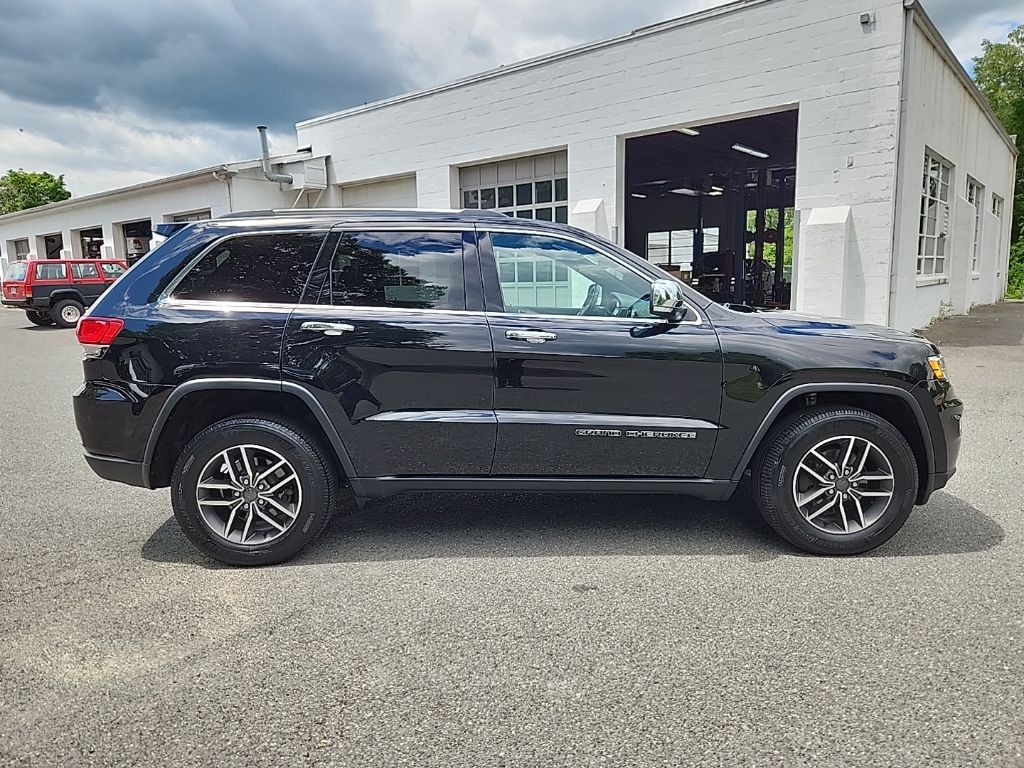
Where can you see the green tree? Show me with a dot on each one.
(27, 189)
(999, 73)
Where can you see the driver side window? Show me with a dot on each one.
(551, 276)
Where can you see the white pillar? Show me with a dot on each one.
(437, 187)
(820, 266)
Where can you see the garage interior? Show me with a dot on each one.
(713, 204)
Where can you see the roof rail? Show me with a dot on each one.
(300, 212)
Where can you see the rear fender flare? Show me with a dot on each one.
(265, 385)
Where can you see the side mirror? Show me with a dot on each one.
(668, 300)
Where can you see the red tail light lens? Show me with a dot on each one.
(98, 330)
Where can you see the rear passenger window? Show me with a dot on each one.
(46, 271)
(412, 270)
(84, 271)
(264, 268)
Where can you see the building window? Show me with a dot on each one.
(997, 206)
(197, 216)
(976, 197)
(534, 187)
(931, 242)
(20, 250)
(676, 248)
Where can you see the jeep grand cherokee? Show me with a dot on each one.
(273, 367)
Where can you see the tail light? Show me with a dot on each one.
(97, 333)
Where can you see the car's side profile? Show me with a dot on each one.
(273, 367)
(56, 292)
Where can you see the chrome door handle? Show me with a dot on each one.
(534, 337)
(328, 329)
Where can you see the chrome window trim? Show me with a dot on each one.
(165, 295)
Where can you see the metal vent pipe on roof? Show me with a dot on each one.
(283, 178)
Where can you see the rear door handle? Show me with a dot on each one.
(533, 337)
(328, 329)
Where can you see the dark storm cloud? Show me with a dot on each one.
(234, 63)
(238, 62)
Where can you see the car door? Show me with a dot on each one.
(86, 278)
(397, 350)
(587, 382)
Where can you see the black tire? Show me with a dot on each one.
(38, 318)
(318, 480)
(787, 445)
(67, 307)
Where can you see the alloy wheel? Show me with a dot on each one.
(843, 485)
(249, 494)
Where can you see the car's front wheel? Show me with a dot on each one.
(38, 318)
(253, 490)
(835, 480)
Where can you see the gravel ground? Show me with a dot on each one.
(482, 631)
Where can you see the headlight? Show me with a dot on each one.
(938, 366)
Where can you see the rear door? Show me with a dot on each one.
(86, 278)
(588, 383)
(45, 277)
(398, 351)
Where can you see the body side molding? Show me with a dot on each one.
(383, 487)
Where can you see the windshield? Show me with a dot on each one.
(15, 271)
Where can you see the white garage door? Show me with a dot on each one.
(391, 193)
(535, 187)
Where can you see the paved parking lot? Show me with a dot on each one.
(482, 631)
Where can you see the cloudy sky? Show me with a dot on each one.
(113, 92)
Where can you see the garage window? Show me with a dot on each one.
(934, 221)
(534, 187)
(20, 250)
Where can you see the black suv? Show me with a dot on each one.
(274, 367)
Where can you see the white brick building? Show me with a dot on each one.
(685, 142)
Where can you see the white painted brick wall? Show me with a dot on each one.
(941, 115)
(733, 62)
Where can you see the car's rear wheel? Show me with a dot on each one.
(253, 490)
(835, 480)
(38, 318)
(67, 312)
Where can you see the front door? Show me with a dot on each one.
(587, 382)
(86, 277)
(398, 351)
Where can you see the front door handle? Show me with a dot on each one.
(533, 337)
(328, 329)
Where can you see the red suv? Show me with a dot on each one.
(52, 291)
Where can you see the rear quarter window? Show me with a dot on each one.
(271, 268)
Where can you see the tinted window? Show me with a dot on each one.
(84, 271)
(45, 271)
(415, 270)
(268, 268)
(548, 275)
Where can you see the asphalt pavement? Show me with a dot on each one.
(509, 631)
